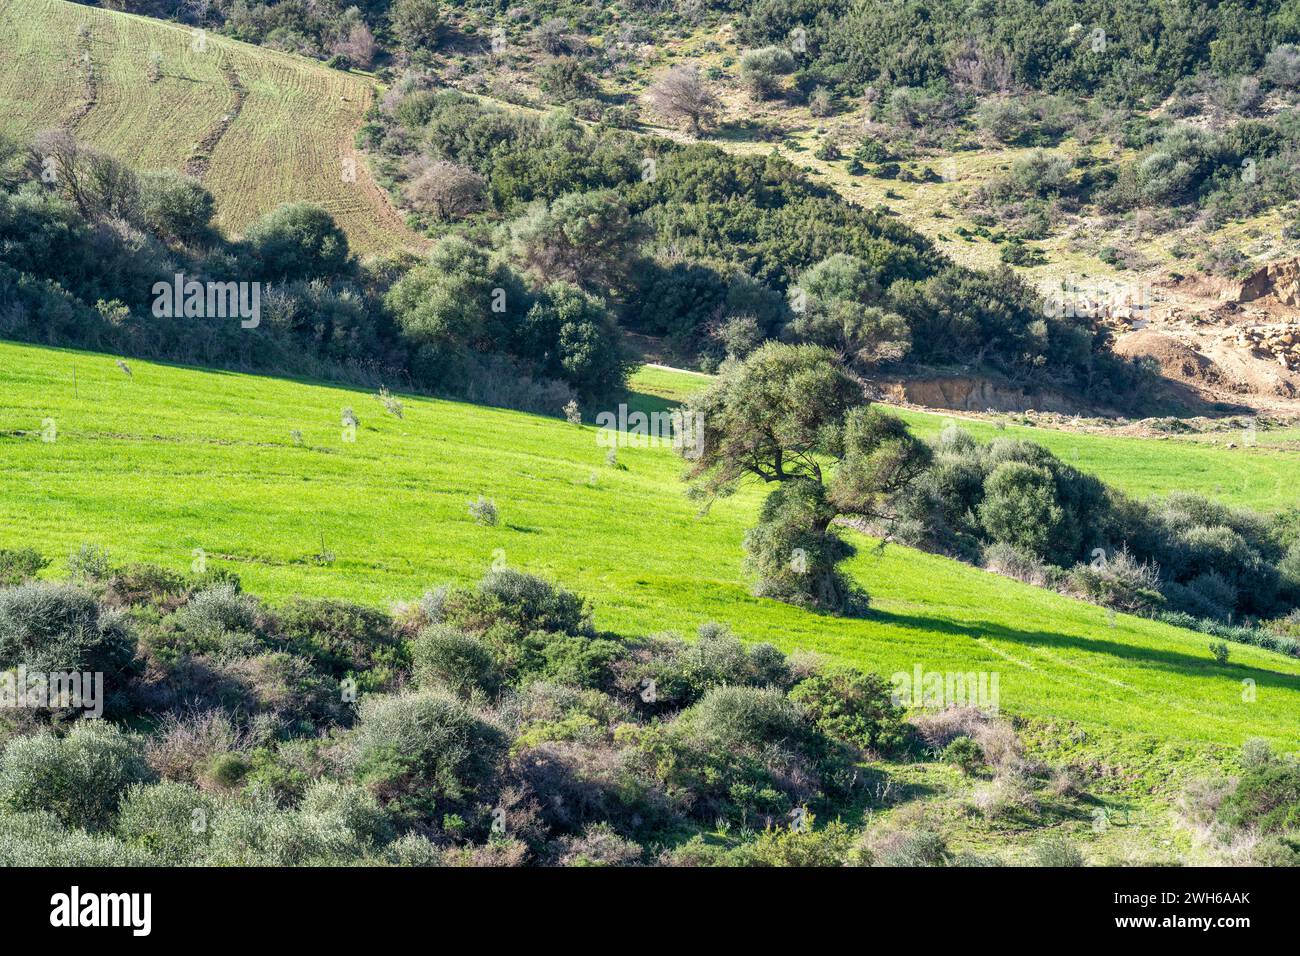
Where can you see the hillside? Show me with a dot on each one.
(258, 127)
(167, 459)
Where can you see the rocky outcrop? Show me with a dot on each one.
(975, 394)
(1280, 341)
(1278, 280)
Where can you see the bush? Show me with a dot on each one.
(760, 70)
(738, 719)
(58, 627)
(19, 565)
(176, 206)
(1267, 798)
(427, 747)
(915, 848)
(526, 602)
(89, 562)
(966, 754)
(1220, 652)
(218, 610)
(829, 846)
(298, 241)
(343, 639)
(854, 707)
(1120, 582)
(1057, 851)
(169, 820)
(445, 657)
(80, 777)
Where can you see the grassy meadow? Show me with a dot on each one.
(258, 474)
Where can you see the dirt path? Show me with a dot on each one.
(200, 158)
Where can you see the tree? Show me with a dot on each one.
(458, 298)
(357, 43)
(586, 238)
(680, 93)
(447, 190)
(572, 336)
(298, 241)
(416, 23)
(784, 415)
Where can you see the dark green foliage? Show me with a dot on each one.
(965, 754)
(342, 639)
(793, 553)
(1267, 798)
(176, 206)
(298, 241)
(853, 707)
(18, 565)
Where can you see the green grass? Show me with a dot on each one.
(171, 459)
(287, 142)
(1262, 477)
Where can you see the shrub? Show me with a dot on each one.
(58, 627)
(1007, 559)
(1267, 798)
(447, 191)
(169, 820)
(1120, 582)
(599, 845)
(38, 839)
(1256, 752)
(1220, 652)
(854, 707)
(483, 511)
(218, 610)
(445, 657)
(807, 846)
(19, 565)
(428, 746)
(79, 778)
(526, 602)
(760, 70)
(744, 718)
(298, 241)
(966, 754)
(176, 206)
(914, 848)
(1057, 851)
(89, 562)
(342, 639)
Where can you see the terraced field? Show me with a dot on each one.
(259, 127)
(171, 459)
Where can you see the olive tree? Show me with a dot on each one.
(790, 416)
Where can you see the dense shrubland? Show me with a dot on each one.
(496, 725)
(716, 253)
(81, 250)
(484, 725)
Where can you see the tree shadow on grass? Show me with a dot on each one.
(1171, 661)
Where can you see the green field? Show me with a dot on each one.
(168, 459)
(288, 140)
(1262, 476)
